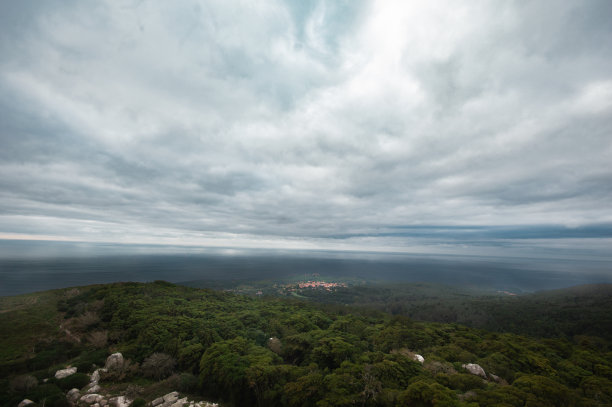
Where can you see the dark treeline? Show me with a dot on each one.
(566, 313)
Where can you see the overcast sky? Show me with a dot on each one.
(383, 125)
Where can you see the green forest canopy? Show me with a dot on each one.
(320, 355)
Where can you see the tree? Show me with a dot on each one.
(425, 393)
(238, 369)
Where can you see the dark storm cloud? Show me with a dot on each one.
(300, 124)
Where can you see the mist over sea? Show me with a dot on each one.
(35, 266)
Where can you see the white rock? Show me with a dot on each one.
(114, 361)
(418, 358)
(475, 369)
(180, 402)
(95, 405)
(103, 402)
(91, 398)
(157, 401)
(94, 389)
(73, 394)
(120, 401)
(25, 402)
(95, 376)
(60, 374)
(171, 397)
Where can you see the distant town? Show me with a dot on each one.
(293, 288)
(313, 284)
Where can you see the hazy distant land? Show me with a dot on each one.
(35, 266)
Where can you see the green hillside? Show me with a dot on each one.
(246, 351)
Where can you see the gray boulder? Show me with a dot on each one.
(180, 402)
(94, 389)
(171, 397)
(120, 401)
(114, 361)
(95, 376)
(475, 369)
(91, 398)
(60, 374)
(25, 402)
(73, 395)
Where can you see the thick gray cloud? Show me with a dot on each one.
(292, 124)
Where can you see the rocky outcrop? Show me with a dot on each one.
(95, 399)
(418, 358)
(203, 404)
(98, 400)
(173, 400)
(60, 374)
(114, 361)
(92, 396)
(475, 369)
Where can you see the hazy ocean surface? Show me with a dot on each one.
(27, 268)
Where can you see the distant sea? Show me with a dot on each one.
(35, 266)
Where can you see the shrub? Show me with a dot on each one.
(139, 403)
(98, 339)
(44, 392)
(133, 391)
(127, 370)
(77, 380)
(23, 384)
(158, 366)
(88, 359)
(86, 321)
(187, 382)
(48, 354)
(461, 381)
(56, 400)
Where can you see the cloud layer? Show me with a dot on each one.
(284, 124)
